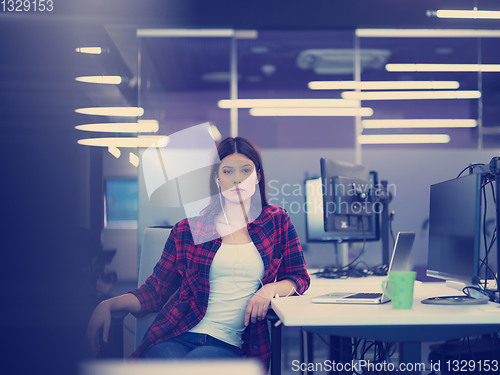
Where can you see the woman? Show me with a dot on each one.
(213, 295)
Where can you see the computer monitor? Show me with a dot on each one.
(315, 223)
(121, 203)
(350, 208)
(454, 230)
(454, 236)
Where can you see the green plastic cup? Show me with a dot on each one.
(401, 288)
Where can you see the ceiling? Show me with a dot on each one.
(280, 63)
(38, 63)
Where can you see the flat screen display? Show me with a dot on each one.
(121, 203)
(350, 209)
(454, 229)
(315, 227)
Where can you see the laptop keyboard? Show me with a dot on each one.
(365, 295)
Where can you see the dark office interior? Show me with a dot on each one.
(49, 179)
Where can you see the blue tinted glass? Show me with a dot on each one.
(121, 200)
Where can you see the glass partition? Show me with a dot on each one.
(442, 98)
(305, 94)
(182, 76)
(281, 65)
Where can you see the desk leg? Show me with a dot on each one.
(307, 350)
(275, 348)
(410, 352)
(340, 350)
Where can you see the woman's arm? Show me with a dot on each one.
(259, 303)
(281, 288)
(292, 266)
(127, 302)
(101, 317)
(165, 279)
(291, 277)
(149, 297)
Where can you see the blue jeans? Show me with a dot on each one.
(191, 345)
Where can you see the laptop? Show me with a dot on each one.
(400, 261)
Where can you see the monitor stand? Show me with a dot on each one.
(343, 257)
(455, 300)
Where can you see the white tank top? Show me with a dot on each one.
(235, 275)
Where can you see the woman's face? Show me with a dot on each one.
(237, 178)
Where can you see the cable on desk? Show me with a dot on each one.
(486, 292)
(335, 272)
(354, 268)
(487, 180)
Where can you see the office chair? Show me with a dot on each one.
(153, 242)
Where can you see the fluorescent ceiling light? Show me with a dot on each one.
(418, 123)
(112, 111)
(107, 80)
(215, 133)
(277, 103)
(130, 142)
(142, 126)
(403, 138)
(89, 50)
(409, 95)
(311, 111)
(133, 159)
(184, 33)
(442, 67)
(476, 14)
(382, 85)
(246, 34)
(427, 33)
(115, 151)
(196, 33)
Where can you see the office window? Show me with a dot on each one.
(121, 203)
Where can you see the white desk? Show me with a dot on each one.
(382, 322)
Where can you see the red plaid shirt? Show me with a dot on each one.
(179, 286)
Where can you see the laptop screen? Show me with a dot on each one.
(400, 260)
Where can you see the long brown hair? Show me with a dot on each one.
(229, 146)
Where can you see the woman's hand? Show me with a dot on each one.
(258, 305)
(101, 318)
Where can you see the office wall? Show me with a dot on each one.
(124, 240)
(410, 171)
